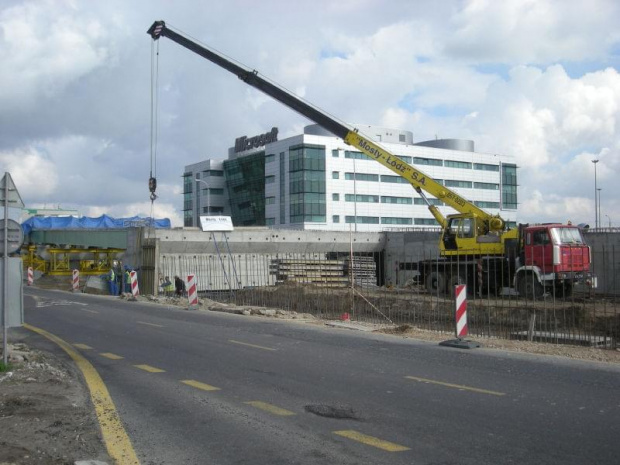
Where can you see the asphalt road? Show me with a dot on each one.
(211, 388)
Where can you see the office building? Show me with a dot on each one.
(315, 181)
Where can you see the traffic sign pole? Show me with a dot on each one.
(5, 284)
(9, 194)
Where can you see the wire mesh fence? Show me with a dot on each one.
(398, 287)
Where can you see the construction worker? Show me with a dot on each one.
(112, 282)
(127, 280)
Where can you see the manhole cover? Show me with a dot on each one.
(331, 411)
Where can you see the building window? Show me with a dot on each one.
(270, 179)
(483, 204)
(399, 200)
(215, 173)
(461, 184)
(270, 200)
(188, 218)
(432, 201)
(361, 177)
(457, 164)
(361, 198)
(394, 220)
(335, 153)
(486, 167)
(336, 219)
(427, 161)
(270, 221)
(270, 158)
(362, 219)
(335, 175)
(335, 197)
(486, 185)
(356, 155)
(393, 179)
(425, 221)
(405, 158)
(282, 188)
(307, 184)
(509, 187)
(215, 191)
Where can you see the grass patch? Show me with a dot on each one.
(5, 367)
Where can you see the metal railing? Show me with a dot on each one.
(392, 288)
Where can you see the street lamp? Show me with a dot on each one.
(595, 198)
(600, 218)
(208, 196)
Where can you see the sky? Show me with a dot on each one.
(535, 79)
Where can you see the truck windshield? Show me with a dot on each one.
(566, 236)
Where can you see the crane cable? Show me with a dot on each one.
(153, 131)
(154, 124)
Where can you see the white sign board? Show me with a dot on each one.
(216, 223)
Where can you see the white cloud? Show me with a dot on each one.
(74, 125)
(34, 174)
(44, 46)
(533, 31)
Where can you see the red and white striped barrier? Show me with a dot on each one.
(192, 291)
(76, 281)
(461, 310)
(30, 276)
(133, 276)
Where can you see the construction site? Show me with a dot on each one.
(363, 277)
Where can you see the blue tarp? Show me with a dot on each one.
(103, 222)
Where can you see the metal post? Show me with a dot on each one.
(5, 265)
(600, 218)
(354, 193)
(595, 196)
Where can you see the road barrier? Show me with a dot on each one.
(192, 293)
(460, 292)
(135, 291)
(76, 280)
(30, 276)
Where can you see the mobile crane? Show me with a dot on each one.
(475, 247)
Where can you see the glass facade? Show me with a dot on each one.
(509, 186)
(188, 204)
(307, 184)
(245, 181)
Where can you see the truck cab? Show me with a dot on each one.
(553, 258)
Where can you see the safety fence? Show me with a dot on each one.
(397, 287)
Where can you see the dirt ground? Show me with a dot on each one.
(46, 416)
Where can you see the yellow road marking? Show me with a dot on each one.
(111, 356)
(150, 369)
(116, 439)
(82, 346)
(270, 408)
(370, 441)
(199, 385)
(149, 324)
(251, 345)
(457, 386)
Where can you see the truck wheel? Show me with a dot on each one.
(529, 287)
(436, 282)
